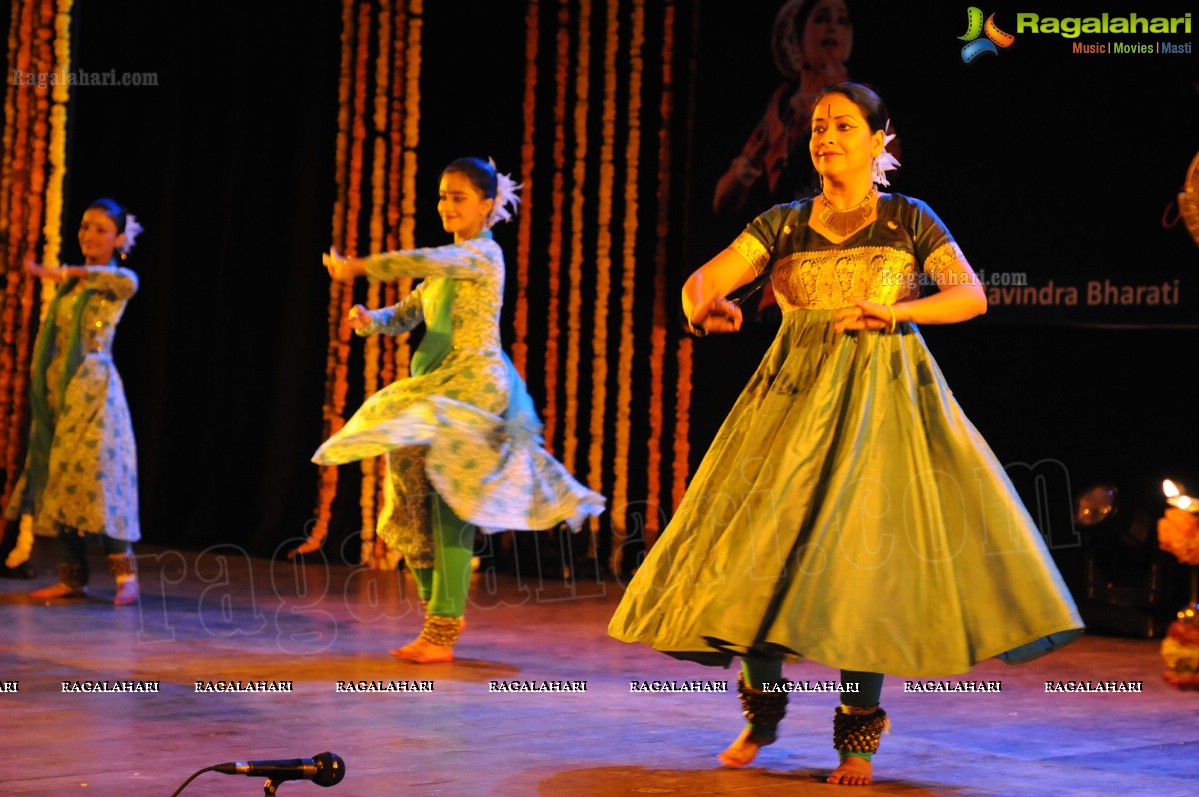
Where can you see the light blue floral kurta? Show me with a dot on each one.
(465, 402)
(91, 483)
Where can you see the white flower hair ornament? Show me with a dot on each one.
(506, 199)
(132, 230)
(885, 162)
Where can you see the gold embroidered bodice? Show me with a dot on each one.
(884, 262)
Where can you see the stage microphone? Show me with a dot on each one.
(324, 769)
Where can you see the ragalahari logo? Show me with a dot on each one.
(975, 27)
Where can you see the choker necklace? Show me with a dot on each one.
(844, 222)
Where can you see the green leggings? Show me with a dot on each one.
(444, 585)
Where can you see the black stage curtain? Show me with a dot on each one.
(228, 164)
(1035, 158)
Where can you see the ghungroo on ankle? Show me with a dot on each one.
(763, 710)
(859, 733)
(441, 630)
(122, 565)
(73, 576)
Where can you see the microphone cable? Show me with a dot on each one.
(193, 777)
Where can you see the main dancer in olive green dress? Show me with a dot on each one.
(847, 511)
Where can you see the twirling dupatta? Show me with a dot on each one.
(41, 434)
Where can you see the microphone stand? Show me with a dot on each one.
(331, 777)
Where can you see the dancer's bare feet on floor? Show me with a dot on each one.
(853, 771)
(58, 591)
(742, 752)
(127, 593)
(424, 652)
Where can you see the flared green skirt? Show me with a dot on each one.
(848, 512)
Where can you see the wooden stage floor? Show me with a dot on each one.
(225, 617)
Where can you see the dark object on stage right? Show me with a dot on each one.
(1123, 582)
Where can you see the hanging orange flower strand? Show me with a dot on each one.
(31, 197)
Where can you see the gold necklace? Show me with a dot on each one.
(844, 222)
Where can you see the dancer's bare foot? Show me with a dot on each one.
(742, 752)
(424, 652)
(127, 593)
(853, 771)
(58, 591)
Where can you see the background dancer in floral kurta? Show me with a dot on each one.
(80, 475)
(847, 510)
(461, 436)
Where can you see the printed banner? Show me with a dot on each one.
(1059, 145)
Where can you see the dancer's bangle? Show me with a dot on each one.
(891, 326)
(695, 329)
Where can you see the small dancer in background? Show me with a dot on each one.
(80, 476)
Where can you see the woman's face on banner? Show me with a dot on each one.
(827, 36)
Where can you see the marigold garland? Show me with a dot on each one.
(653, 489)
(31, 199)
(570, 429)
(358, 130)
(390, 350)
(395, 126)
(554, 264)
(335, 389)
(624, 378)
(1180, 541)
(681, 458)
(60, 94)
(378, 119)
(10, 389)
(682, 423)
(411, 139)
(36, 199)
(18, 291)
(603, 251)
(520, 345)
(373, 469)
(10, 115)
(411, 126)
(395, 350)
(383, 79)
(39, 184)
(599, 211)
(52, 229)
(343, 122)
